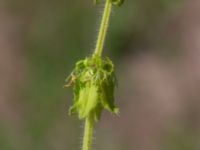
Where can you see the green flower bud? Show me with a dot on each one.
(94, 83)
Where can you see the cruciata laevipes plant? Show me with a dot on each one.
(93, 80)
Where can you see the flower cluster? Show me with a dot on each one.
(93, 81)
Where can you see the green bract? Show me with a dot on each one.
(115, 2)
(94, 82)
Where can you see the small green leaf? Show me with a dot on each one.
(118, 2)
(108, 87)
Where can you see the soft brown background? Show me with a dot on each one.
(155, 46)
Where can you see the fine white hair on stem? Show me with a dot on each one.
(103, 28)
(98, 23)
(82, 126)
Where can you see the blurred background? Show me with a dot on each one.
(155, 46)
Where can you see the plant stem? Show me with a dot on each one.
(89, 122)
(88, 133)
(103, 28)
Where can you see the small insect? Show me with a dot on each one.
(71, 82)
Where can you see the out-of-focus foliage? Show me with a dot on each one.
(58, 33)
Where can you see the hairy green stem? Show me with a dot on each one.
(88, 134)
(103, 28)
(89, 122)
